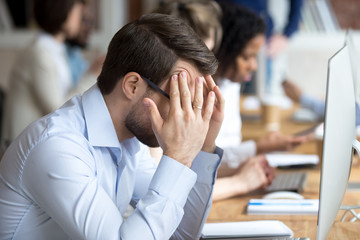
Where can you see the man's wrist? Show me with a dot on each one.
(187, 161)
(209, 149)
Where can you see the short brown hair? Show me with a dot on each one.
(151, 46)
(50, 15)
(201, 15)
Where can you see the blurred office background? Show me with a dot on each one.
(321, 33)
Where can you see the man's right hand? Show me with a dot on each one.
(182, 134)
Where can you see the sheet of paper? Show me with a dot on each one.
(284, 159)
(266, 228)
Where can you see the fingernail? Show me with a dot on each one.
(199, 80)
(146, 104)
(174, 77)
(183, 74)
(212, 94)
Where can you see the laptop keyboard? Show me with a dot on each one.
(294, 181)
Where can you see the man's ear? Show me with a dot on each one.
(131, 85)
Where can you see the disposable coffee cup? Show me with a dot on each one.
(271, 113)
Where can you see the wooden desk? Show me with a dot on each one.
(234, 209)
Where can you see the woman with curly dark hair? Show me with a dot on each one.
(242, 169)
(243, 38)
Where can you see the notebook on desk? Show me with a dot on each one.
(283, 206)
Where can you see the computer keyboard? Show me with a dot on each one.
(294, 181)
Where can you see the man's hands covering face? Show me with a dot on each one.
(185, 131)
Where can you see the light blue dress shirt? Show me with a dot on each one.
(68, 177)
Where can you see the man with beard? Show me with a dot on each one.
(73, 173)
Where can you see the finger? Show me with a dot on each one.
(153, 113)
(210, 85)
(174, 94)
(266, 167)
(198, 98)
(185, 96)
(205, 85)
(297, 140)
(210, 82)
(209, 107)
(272, 174)
(206, 89)
(303, 138)
(263, 179)
(220, 101)
(270, 171)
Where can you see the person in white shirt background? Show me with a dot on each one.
(72, 173)
(41, 80)
(243, 36)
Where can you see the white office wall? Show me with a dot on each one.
(308, 56)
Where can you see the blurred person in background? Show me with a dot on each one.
(203, 16)
(276, 41)
(244, 33)
(79, 66)
(316, 105)
(277, 37)
(41, 80)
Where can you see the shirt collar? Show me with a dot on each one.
(100, 128)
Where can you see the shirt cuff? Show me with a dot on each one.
(206, 164)
(173, 180)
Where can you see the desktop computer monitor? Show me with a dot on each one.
(355, 63)
(339, 134)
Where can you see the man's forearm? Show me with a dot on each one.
(199, 202)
